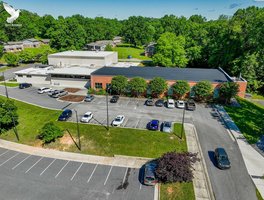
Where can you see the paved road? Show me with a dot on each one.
(29, 177)
(9, 74)
(233, 184)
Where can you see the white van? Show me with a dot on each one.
(170, 103)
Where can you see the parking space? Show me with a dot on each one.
(116, 182)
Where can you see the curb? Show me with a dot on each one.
(133, 157)
(157, 192)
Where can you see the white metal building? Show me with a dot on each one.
(83, 58)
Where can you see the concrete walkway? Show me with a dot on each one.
(253, 160)
(120, 161)
(201, 182)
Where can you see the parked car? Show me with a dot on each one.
(24, 85)
(59, 93)
(118, 120)
(114, 99)
(180, 104)
(166, 127)
(87, 117)
(159, 103)
(44, 90)
(65, 115)
(149, 102)
(170, 103)
(153, 125)
(190, 105)
(149, 173)
(50, 93)
(221, 158)
(89, 98)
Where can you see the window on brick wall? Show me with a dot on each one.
(98, 85)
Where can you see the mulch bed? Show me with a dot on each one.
(73, 98)
(72, 90)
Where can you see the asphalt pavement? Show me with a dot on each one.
(9, 74)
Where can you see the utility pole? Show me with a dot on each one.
(183, 117)
(107, 113)
(5, 86)
(78, 130)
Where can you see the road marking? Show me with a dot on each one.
(62, 169)
(92, 173)
(4, 153)
(47, 167)
(137, 123)
(128, 102)
(21, 162)
(104, 121)
(140, 186)
(76, 171)
(108, 175)
(9, 159)
(34, 165)
(125, 176)
(125, 122)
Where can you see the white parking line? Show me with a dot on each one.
(137, 124)
(9, 159)
(34, 165)
(140, 186)
(76, 171)
(4, 153)
(104, 121)
(21, 162)
(48, 167)
(62, 169)
(92, 173)
(127, 103)
(125, 176)
(125, 123)
(108, 175)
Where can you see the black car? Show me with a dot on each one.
(24, 85)
(114, 99)
(221, 158)
(159, 103)
(66, 114)
(149, 102)
(89, 98)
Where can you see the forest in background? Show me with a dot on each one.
(234, 43)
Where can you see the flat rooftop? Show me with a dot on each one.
(73, 70)
(34, 71)
(82, 54)
(170, 74)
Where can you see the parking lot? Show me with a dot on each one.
(67, 178)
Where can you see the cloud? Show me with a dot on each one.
(195, 8)
(234, 5)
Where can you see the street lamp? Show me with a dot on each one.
(183, 117)
(107, 112)
(78, 130)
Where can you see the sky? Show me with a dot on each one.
(122, 9)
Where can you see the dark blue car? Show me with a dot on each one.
(153, 125)
(66, 114)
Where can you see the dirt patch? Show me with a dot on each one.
(73, 98)
(67, 140)
(169, 190)
(72, 90)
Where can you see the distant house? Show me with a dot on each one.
(117, 40)
(13, 46)
(45, 41)
(99, 45)
(31, 43)
(150, 49)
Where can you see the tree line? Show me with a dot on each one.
(234, 43)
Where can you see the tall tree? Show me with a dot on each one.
(228, 90)
(137, 86)
(203, 90)
(119, 84)
(180, 88)
(158, 86)
(8, 113)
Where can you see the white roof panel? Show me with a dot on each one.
(82, 54)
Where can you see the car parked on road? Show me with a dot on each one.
(118, 121)
(44, 90)
(114, 99)
(89, 98)
(149, 102)
(170, 103)
(180, 104)
(167, 127)
(153, 125)
(190, 105)
(87, 117)
(59, 93)
(221, 158)
(65, 115)
(159, 103)
(24, 85)
(149, 173)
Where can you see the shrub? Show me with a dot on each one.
(1, 78)
(158, 86)
(101, 92)
(50, 132)
(175, 167)
(180, 88)
(8, 113)
(91, 91)
(203, 90)
(11, 59)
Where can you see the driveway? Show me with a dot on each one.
(24, 176)
(9, 74)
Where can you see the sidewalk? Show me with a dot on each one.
(120, 161)
(253, 160)
(201, 181)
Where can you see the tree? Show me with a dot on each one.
(137, 86)
(158, 86)
(8, 112)
(228, 90)
(11, 59)
(180, 88)
(108, 47)
(119, 84)
(170, 51)
(50, 132)
(1, 50)
(175, 167)
(203, 90)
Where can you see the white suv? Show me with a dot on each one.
(170, 103)
(44, 90)
(180, 104)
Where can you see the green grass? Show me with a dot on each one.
(258, 195)
(3, 69)
(10, 84)
(123, 52)
(257, 96)
(179, 191)
(249, 119)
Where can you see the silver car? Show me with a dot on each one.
(167, 127)
(60, 93)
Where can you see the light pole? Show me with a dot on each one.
(5, 86)
(183, 116)
(78, 130)
(107, 112)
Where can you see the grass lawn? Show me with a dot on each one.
(179, 191)
(258, 195)
(2, 69)
(123, 52)
(10, 84)
(249, 118)
(256, 96)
